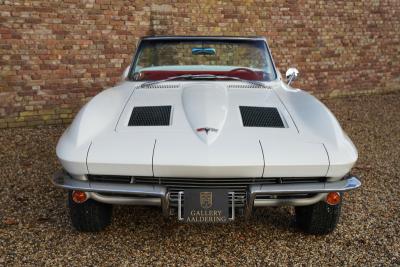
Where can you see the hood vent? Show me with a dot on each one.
(261, 117)
(161, 86)
(150, 116)
(244, 86)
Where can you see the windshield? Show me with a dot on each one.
(165, 58)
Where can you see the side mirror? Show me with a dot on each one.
(125, 74)
(291, 75)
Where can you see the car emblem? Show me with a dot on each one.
(206, 200)
(207, 130)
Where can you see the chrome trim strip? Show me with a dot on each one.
(289, 202)
(187, 37)
(232, 194)
(180, 193)
(118, 200)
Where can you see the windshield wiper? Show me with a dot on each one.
(185, 76)
(202, 76)
(211, 76)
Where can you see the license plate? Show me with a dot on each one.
(206, 206)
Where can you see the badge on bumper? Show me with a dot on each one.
(207, 206)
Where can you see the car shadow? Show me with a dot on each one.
(279, 218)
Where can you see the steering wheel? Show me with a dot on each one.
(243, 69)
(251, 74)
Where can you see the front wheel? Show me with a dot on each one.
(319, 218)
(89, 216)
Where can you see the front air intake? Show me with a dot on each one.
(261, 117)
(150, 116)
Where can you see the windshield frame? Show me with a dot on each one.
(142, 42)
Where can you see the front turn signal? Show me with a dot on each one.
(333, 198)
(79, 196)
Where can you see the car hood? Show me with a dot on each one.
(206, 134)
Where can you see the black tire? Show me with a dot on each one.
(90, 216)
(319, 218)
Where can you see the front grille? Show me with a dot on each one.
(261, 117)
(118, 179)
(150, 116)
(203, 182)
(237, 185)
(176, 184)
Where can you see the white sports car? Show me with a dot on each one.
(206, 129)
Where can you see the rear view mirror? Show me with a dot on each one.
(203, 51)
(291, 75)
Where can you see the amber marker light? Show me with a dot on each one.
(333, 198)
(79, 196)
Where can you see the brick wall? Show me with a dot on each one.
(55, 55)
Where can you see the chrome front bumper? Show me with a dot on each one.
(158, 195)
(133, 194)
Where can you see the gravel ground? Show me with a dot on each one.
(35, 228)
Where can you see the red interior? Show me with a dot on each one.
(239, 73)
